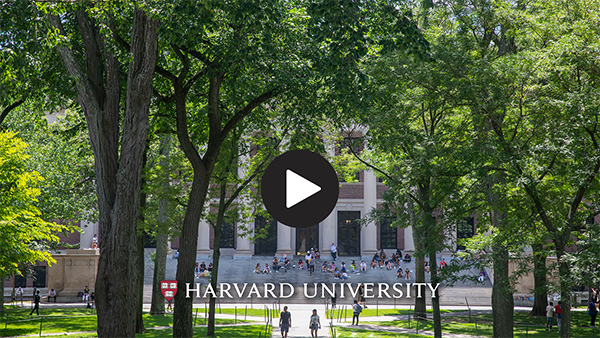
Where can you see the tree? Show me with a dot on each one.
(24, 235)
(80, 41)
(424, 157)
(29, 72)
(548, 136)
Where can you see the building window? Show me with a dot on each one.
(39, 276)
(388, 235)
(21, 280)
(465, 229)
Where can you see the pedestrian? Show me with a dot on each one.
(361, 295)
(549, 316)
(593, 312)
(36, 301)
(311, 266)
(315, 324)
(333, 251)
(333, 299)
(357, 309)
(558, 310)
(285, 322)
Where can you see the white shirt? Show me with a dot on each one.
(549, 311)
(95, 239)
(333, 248)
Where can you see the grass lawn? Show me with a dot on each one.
(372, 312)
(525, 326)
(244, 331)
(343, 332)
(240, 311)
(72, 320)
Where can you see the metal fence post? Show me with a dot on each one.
(468, 307)
(41, 320)
(245, 312)
(235, 319)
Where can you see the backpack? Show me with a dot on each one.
(358, 308)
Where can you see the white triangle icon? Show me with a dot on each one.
(298, 188)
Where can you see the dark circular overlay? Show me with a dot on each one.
(310, 166)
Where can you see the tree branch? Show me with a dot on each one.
(8, 109)
(245, 111)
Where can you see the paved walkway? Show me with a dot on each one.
(300, 321)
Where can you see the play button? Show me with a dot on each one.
(299, 188)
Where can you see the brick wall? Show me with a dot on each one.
(351, 190)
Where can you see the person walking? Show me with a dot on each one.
(311, 266)
(36, 301)
(558, 310)
(315, 324)
(285, 322)
(549, 316)
(593, 312)
(333, 251)
(357, 309)
(333, 299)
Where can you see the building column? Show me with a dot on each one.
(369, 232)
(328, 231)
(409, 244)
(284, 239)
(203, 246)
(243, 248)
(329, 234)
(89, 229)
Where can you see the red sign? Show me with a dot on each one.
(168, 288)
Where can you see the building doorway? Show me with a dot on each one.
(348, 233)
(307, 238)
(266, 246)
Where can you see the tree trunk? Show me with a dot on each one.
(564, 272)
(540, 291)
(139, 320)
(140, 262)
(210, 332)
(502, 295)
(182, 312)
(435, 302)
(162, 241)
(2, 297)
(160, 267)
(420, 303)
(117, 179)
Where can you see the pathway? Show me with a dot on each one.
(300, 320)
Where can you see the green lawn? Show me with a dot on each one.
(244, 331)
(372, 312)
(73, 320)
(525, 326)
(240, 312)
(343, 332)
